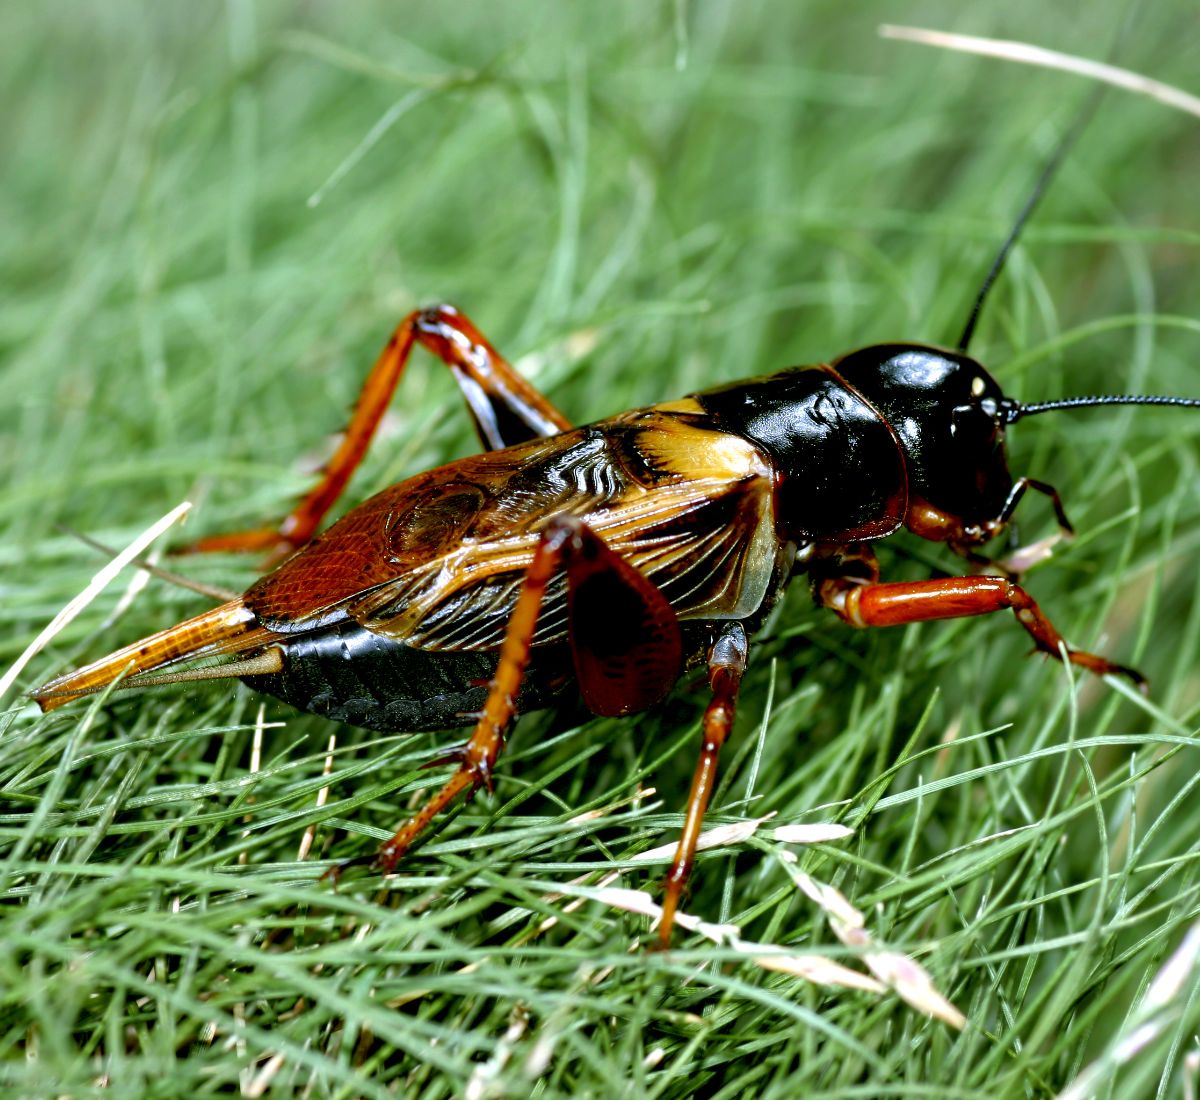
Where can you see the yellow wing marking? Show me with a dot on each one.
(701, 530)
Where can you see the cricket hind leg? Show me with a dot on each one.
(504, 407)
(616, 674)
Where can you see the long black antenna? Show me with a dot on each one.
(1039, 189)
(1014, 411)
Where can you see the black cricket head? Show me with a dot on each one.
(950, 417)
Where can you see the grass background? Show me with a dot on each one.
(212, 215)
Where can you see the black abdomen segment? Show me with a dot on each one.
(350, 674)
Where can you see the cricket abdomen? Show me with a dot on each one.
(348, 673)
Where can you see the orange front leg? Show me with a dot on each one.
(955, 598)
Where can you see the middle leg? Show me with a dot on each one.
(727, 659)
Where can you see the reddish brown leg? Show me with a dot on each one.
(506, 410)
(954, 598)
(644, 661)
(726, 664)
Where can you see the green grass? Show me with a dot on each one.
(711, 191)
